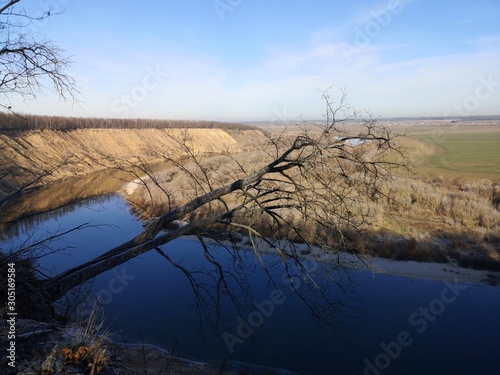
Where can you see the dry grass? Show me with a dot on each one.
(417, 217)
(452, 205)
(85, 349)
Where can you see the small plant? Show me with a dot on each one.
(78, 355)
(52, 363)
(93, 357)
(90, 344)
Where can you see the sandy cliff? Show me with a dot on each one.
(24, 155)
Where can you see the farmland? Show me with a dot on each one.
(449, 192)
(467, 149)
(469, 155)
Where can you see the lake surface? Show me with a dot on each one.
(335, 322)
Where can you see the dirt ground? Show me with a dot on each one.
(40, 349)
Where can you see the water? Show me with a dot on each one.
(364, 324)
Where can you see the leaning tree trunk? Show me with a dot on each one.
(317, 173)
(149, 239)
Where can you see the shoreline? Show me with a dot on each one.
(379, 265)
(434, 271)
(39, 348)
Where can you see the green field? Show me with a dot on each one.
(469, 155)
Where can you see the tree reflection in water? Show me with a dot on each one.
(236, 290)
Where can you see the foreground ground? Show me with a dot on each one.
(47, 348)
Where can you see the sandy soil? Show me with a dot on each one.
(24, 155)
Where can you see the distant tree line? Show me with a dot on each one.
(9, 121)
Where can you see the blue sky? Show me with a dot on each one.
(237, 60)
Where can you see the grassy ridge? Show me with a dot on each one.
(468, 155)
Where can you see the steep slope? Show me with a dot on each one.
(27, 154)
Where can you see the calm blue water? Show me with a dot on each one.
(364, 324)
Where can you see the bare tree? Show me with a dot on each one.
(311, 188)
(314, 188)
(27, 62)
(28, 65)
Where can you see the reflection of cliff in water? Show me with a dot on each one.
(27, 224)
(66, 192)
(62, 193)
